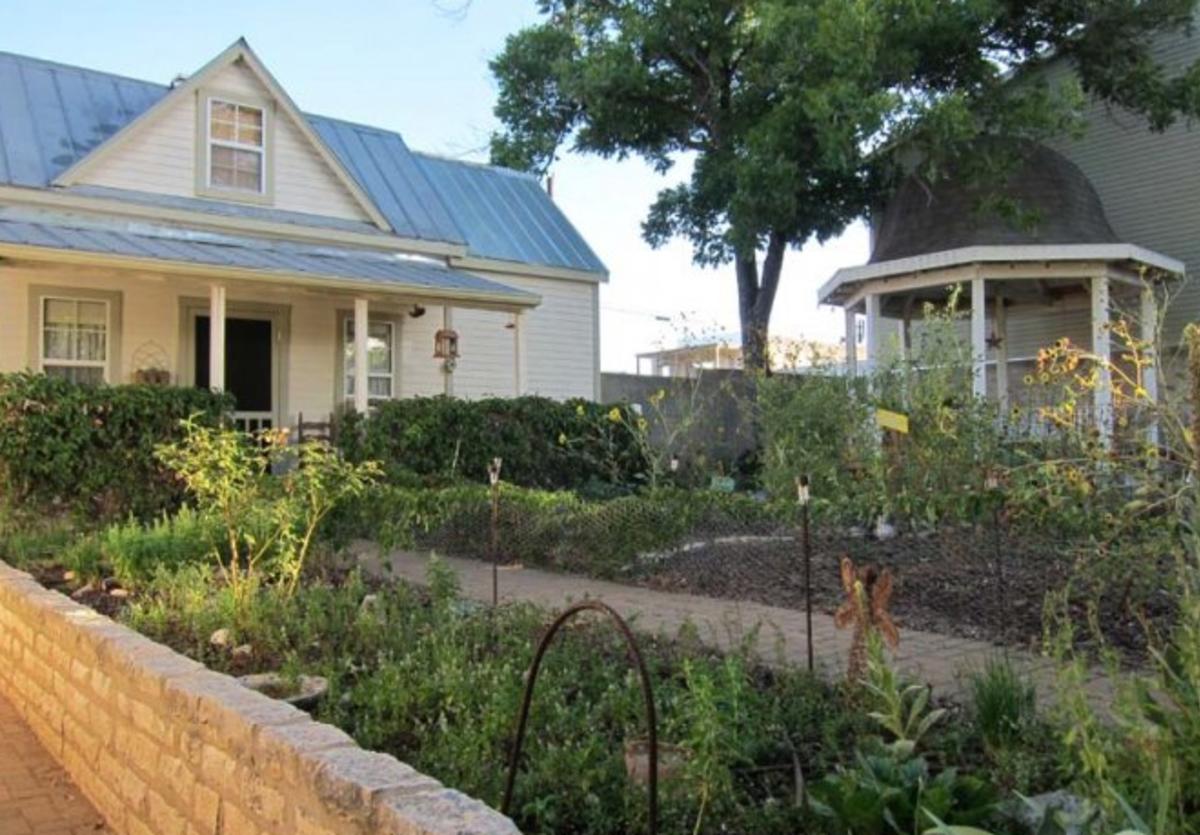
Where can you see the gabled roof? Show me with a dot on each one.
(53, 116)
(507, 215)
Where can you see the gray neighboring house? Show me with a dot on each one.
(1118, 232)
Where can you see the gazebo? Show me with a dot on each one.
(1025, 282)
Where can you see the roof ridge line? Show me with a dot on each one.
(499, 169)
(77, 68)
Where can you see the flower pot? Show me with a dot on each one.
(671, 759)
(303, 692)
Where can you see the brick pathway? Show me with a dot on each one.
(777, 634)
(36, 795)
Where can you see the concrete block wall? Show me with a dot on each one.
(163, 746)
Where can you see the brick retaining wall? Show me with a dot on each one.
(163, 746)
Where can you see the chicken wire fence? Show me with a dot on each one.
(984, 581)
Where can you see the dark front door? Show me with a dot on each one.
(248, 346)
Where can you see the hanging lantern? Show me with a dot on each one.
(445, 344)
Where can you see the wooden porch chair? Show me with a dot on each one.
(313, 430)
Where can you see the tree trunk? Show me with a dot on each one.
(756, 298)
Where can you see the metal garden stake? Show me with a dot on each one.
(494, 545)
(806, 544)
(647, 696)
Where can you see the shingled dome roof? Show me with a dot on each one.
(924, 217)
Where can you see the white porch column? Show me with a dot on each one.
(978, 337)
(874, 330)
(851, 342)
(361, 331)
(520, 359)
(216, 337)
(1149, 334)
(1102, 348)
(1001, 317)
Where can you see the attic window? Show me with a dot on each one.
(236, 147)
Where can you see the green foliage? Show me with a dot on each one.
(436, 681)
(90, 449)
(551, 529)
(543, 443)
(264, 521)
(1003, 701)
(901, 709)
(797, 114)
(135, 552)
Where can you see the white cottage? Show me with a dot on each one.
(209, 233)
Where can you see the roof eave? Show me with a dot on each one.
(840, 287)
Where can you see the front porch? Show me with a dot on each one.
(284, 341)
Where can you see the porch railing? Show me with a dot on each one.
(253, 421)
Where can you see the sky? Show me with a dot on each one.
(420, 67)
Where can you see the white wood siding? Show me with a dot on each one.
(161, 158)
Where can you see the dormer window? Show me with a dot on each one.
(236, 148)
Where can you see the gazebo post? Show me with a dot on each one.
(978, 337)
(1001, 318)
(1149, 335)
(851, 342)
(1102, 349)
(874, 329)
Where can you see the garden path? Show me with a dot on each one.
(36, 795)
(777, 634)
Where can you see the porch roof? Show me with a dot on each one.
(223, 256)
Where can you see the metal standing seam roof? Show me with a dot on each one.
(52, 115)
(388, 271)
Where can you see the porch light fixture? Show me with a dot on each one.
(416, 311)
(445, 344)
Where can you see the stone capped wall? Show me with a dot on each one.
(163, 746)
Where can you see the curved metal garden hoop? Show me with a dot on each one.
(647, 694)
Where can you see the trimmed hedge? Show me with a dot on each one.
(91, 448)
(556, 530)
(543, 443)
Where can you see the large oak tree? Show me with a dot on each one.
(796, 113)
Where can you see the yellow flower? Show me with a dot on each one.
(614, 415)
(642, 424)
(579, 410)
(562, 439)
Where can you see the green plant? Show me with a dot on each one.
(543, 443)
(136, 551)
(262, 518)
(1003, 701)
(903, 710)
(90, 449)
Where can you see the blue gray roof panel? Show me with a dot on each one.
(52, 115)
(507, 215)
(389, 271)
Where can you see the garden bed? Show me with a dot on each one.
(960, 582)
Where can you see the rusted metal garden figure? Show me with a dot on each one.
(868, 592)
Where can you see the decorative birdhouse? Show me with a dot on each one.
(445, 344)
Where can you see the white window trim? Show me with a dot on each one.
(347, 378)
(203, 142)
(44, 361)
(210, 141)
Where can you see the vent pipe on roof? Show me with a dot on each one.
(550, 185)
(177, 80)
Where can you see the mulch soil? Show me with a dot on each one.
(963, 582)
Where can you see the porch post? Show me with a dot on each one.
(1102, 348)
(520, 362)
(1001, 354)
(216, 337)
(1149, 335)
(851, 342)
(978, 337)
(874, 330)
(361, 330)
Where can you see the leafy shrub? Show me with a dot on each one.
(553, 529)
(267, 524)
(91, 448)
(543, 443)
